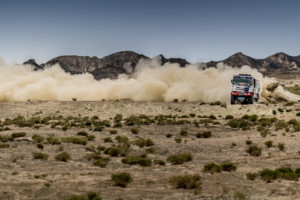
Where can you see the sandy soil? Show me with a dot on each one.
(18, 179)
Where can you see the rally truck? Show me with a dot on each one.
(245, 89)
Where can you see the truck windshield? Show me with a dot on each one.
(242, 81)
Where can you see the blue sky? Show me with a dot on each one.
(199, 30)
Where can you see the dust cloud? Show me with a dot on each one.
(149, 82)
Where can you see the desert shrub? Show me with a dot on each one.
(63, 156)
(298, 114)
(253, 117)
(124, 149)
(263, 131)
(14, 173)
(141, 142)
(149, 142)
(118, 118)
(168, 135)
(134, 130)
(86, 196)
(184, 116)
(175, 100)
(265, 121)
(291, 103)
(138, 120)
(65, 127)
(40, 155)
(244, 125)
(234, 123)
(281, 146)
(117, 125)
(228, 167)
(89, 123)
(6, 138)
(183, 132)
(233, 144)
(254, 150)
(251, 176)
(229, 117)
(121, 179)
(4, 145)
(150, 150)
(293, 122)
(45, 120)
(100, 161)
(113, 151)
(47, 184)
(93, 156)
(286, 173)
(177, 159)
(281, 124)
(37, 138)
(101, 148)
(60, 148)
(82, 133)
(239, 196)
(137, 159)
(90, 137)
(90, 148)
(122, 139)
(248, 142)
(52, 140)
(213, 168)
(269, 143)
(98, 129)
(212, 117)
(18, 134)
(178, 140)
(107, 139)
(274, 112)
(75, 140)
(204, 134)
(40, 145)
(159, 162)
(280, 110)
(186, 181)
(192, 115)
(268, 175)
(246, 117)
(114, 131)
(196, 123)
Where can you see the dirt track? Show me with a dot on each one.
(18, 179)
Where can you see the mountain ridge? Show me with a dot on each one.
(124, 62)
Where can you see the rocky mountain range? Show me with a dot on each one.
(125, 62)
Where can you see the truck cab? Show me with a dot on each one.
(245, 89)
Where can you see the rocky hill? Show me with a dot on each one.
(272, 65)
(124, 62)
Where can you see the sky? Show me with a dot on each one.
(198, 30)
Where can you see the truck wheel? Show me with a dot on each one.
(232, 99)
(250, 100)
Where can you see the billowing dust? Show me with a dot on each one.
(149, 82)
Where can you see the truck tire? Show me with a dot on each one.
(232, 101)
(257, 98)
(250, 100)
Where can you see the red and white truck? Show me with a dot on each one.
(245, 88)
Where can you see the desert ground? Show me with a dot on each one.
(24, 177)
